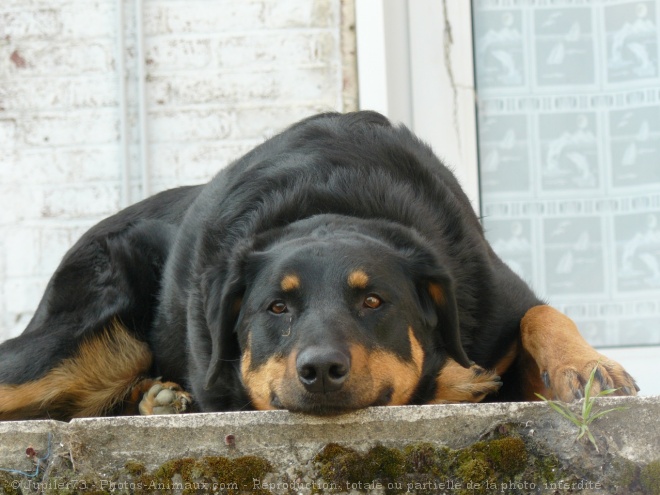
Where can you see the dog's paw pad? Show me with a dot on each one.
(165, 398)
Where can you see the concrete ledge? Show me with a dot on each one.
(291, 453)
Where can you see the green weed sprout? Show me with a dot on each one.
(583, 420)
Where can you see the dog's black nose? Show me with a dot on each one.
(322, 370)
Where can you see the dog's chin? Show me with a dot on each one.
(331, 404)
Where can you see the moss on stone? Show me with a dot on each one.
(625, 473)
(477, 473)
(232, 475)
(547, 469)
(165, 473)
(649, 478)
(425, 458)
(481, 464)
(508, 455)
(340, 464)
(483, 467)
(8, 483)
(135, 468)
(185, 475)
(386, 463)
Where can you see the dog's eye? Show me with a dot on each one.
(372, 301)
(278, 307)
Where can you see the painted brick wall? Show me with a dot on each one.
(221, 76)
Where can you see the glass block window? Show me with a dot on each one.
(569, 155)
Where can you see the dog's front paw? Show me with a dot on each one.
(165, 398)
(457, 384)
(565, 360)
(567, 380)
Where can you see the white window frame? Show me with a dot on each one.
(403, 74)
(431, 92)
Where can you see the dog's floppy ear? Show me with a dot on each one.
(437, 296)
(441, 293)
(223, 292)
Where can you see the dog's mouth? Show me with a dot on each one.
(327, 383)
(329, 404)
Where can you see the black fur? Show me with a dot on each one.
(173, 267)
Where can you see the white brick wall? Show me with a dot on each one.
(221, 76)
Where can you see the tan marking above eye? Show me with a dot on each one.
(358, 279)
(290, 282)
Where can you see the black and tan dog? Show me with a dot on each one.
(337, 266)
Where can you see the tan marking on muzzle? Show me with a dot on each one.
(403, 376)
(260, 382)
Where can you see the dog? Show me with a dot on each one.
(334, 267)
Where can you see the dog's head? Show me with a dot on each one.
(333, 315)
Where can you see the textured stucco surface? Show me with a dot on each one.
(290, 442)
